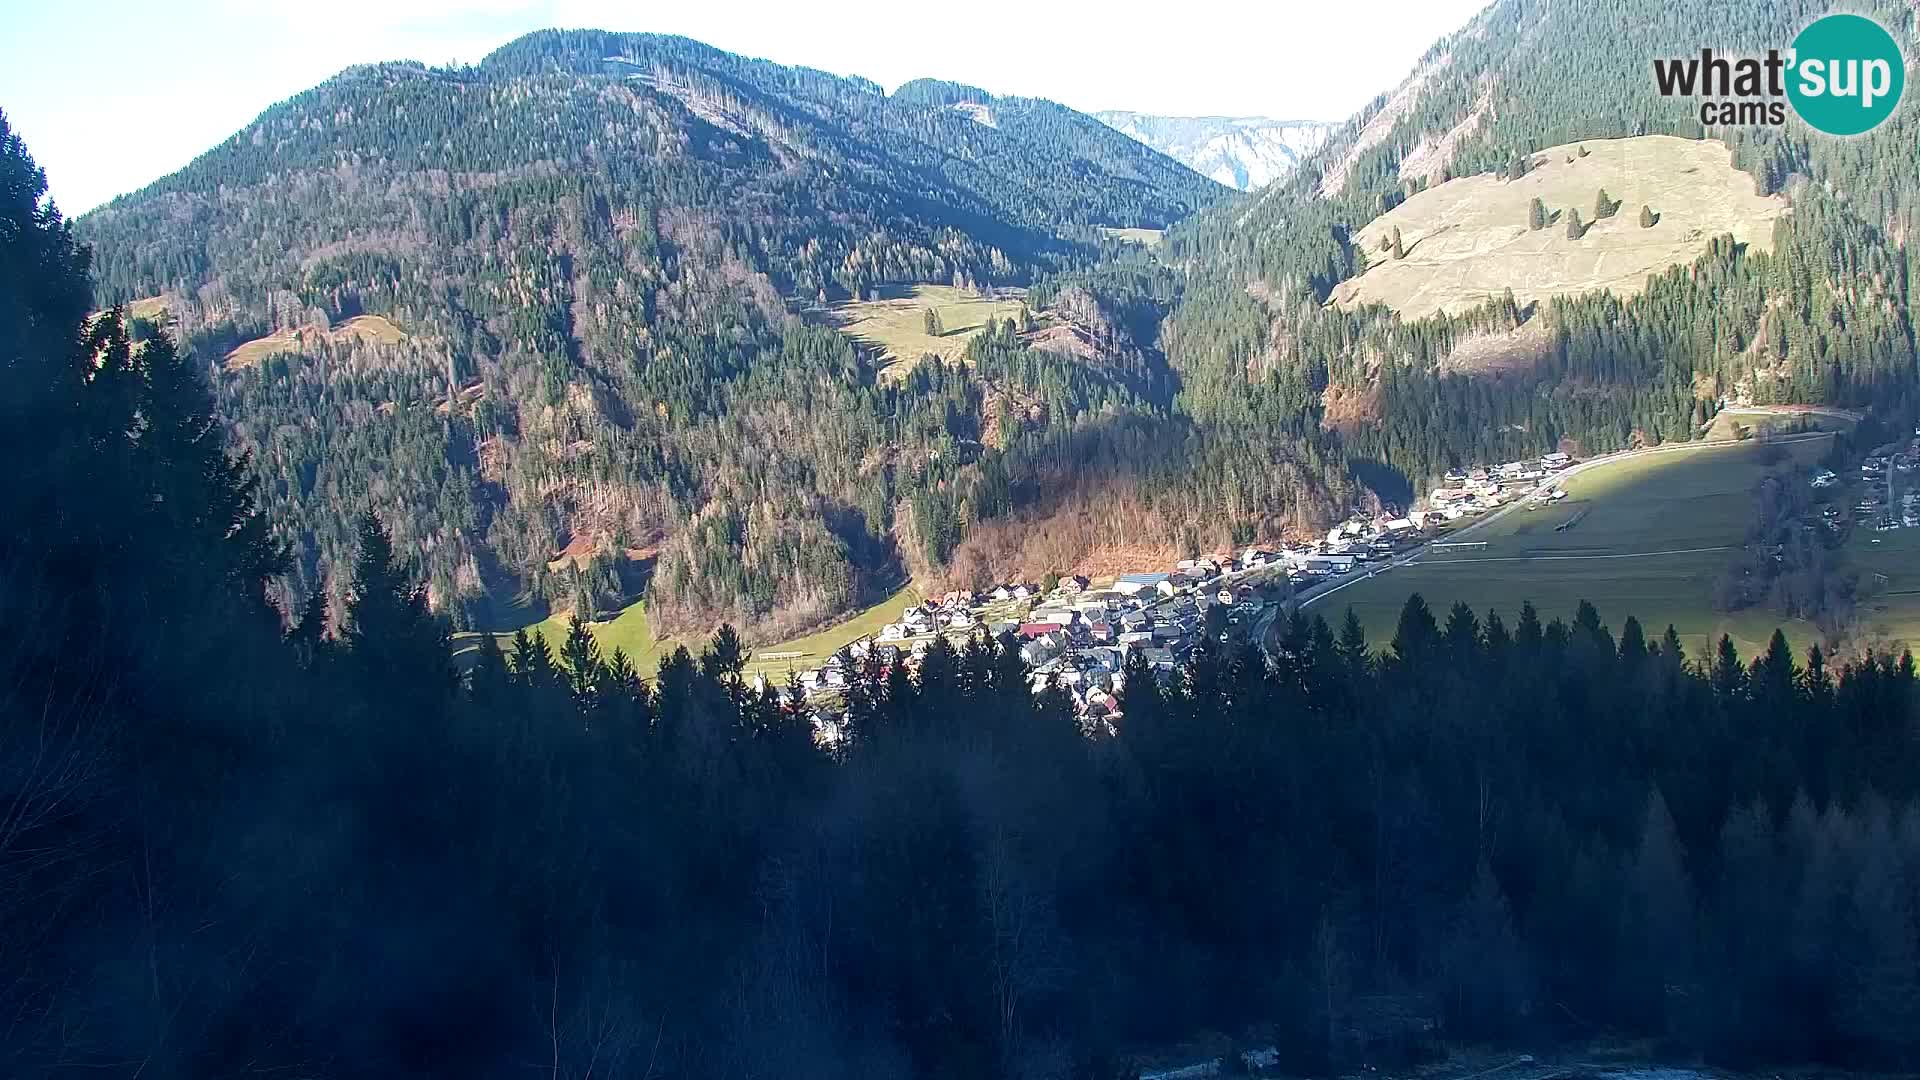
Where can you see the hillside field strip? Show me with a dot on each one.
(1467, 241)
(1147, 238)
(374, 328)
(1649, 535)
(775, 661)
(896, 327)
(630, 631)
(150, 308)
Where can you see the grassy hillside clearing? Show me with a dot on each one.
(897, 326)
(775, 661)
(1467, 240)
(630, 631)
(1144, 237)
(150, 308)
(1728, 424)
(1650, 534)
(375, 328)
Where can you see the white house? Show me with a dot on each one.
(1129, 584)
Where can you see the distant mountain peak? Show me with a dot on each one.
(1244, 152)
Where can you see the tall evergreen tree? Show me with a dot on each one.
(390, 630)
(580, 655)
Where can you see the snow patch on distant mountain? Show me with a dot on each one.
(1244, 152)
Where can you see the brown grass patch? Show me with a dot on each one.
(150, 308)
(375, 329)
(1467, 240)
(1500, 352)
(1349, 406)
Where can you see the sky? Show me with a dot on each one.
(112, 94)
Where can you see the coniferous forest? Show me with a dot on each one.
(603, 261)
(241, 839)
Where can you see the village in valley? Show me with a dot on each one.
(1078, 634)
(1889, 499)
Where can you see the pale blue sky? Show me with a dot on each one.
(113, 94)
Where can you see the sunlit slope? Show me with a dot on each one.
(1468, 240)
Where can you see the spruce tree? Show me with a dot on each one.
(726, 655)
(488, 678)
(580, 654)
(532, 659)
(1574, 229)
(1603, 207)
(1727, 673)
(309, 633)
(1413, 641)
(1489, 987)
(390, 629)
(1536, 215)
(1647, 217)
(1399, 248)
(1656, 942)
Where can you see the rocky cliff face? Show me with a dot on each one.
(1244, 152)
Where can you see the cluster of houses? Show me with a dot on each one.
(1074, 636)
(1079, 637)
(1880, 475)
(1888, 497)
(1467, 492)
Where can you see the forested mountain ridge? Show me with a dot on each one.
(597, 250)
(332, 857)
(593, 249)
(1827, 315)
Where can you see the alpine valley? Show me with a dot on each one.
(947, 590)
(607, 316)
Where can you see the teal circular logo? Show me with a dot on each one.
(1847, 74)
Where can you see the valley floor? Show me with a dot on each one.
(1642, 535)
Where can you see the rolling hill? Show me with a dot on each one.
(1470, 240)
(1788, 285)
(591, 258)
(1775, 268)
(616, 265)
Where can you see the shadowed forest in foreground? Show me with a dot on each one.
(227, 848)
